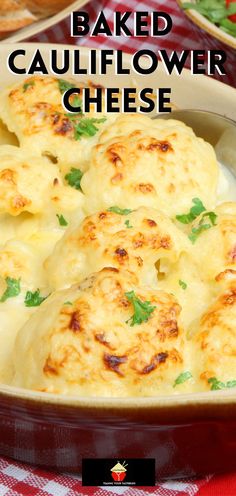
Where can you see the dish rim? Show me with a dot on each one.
(223, 397)
(207, 25)
(206, 398)
(43, 24)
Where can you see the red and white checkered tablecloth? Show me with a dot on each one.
(183, 36)
(21, 479)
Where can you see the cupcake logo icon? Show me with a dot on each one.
(118, 472)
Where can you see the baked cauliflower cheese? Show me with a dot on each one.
(117, 251)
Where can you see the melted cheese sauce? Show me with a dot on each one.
(31, 229)
(13, 312)
(226, 191)
(28, 240)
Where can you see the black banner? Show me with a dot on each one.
(118, 472)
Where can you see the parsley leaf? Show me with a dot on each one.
(120, 211)
(86, 126)
(13, 289)
(62, 221)
(68, 303)
(216, 384)
(195, 211)
(83, 126)
(185, 376)
(128, 224)
(77, 102)
(28, 85)
(65, 85)
(34, 299)
(183, 284)
(196, 231)
(142, 309)
(74, 177)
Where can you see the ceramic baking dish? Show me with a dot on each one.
(188, 435)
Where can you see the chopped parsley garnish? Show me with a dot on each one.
(28, 85)
(74, 177)
(62, 221)
(120, 211)
(216, 384)
(183, 284)
(13, 289)
(65, 85)
(68, 303)
(185, 376)
(84, 126)
(142, 309)
(128, 224)
(198, 209)
(196, 231)
(34, 299)
(77, 102)
(195, 211)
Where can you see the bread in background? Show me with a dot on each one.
(14, 15)
(45, 8)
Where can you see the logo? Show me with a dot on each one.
(118, 472)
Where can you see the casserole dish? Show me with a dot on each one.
(188, 435)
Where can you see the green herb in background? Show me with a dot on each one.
(228, 26)
(142, 309)
(216, 11)
(13, 289)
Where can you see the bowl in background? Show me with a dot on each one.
(205, 25)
